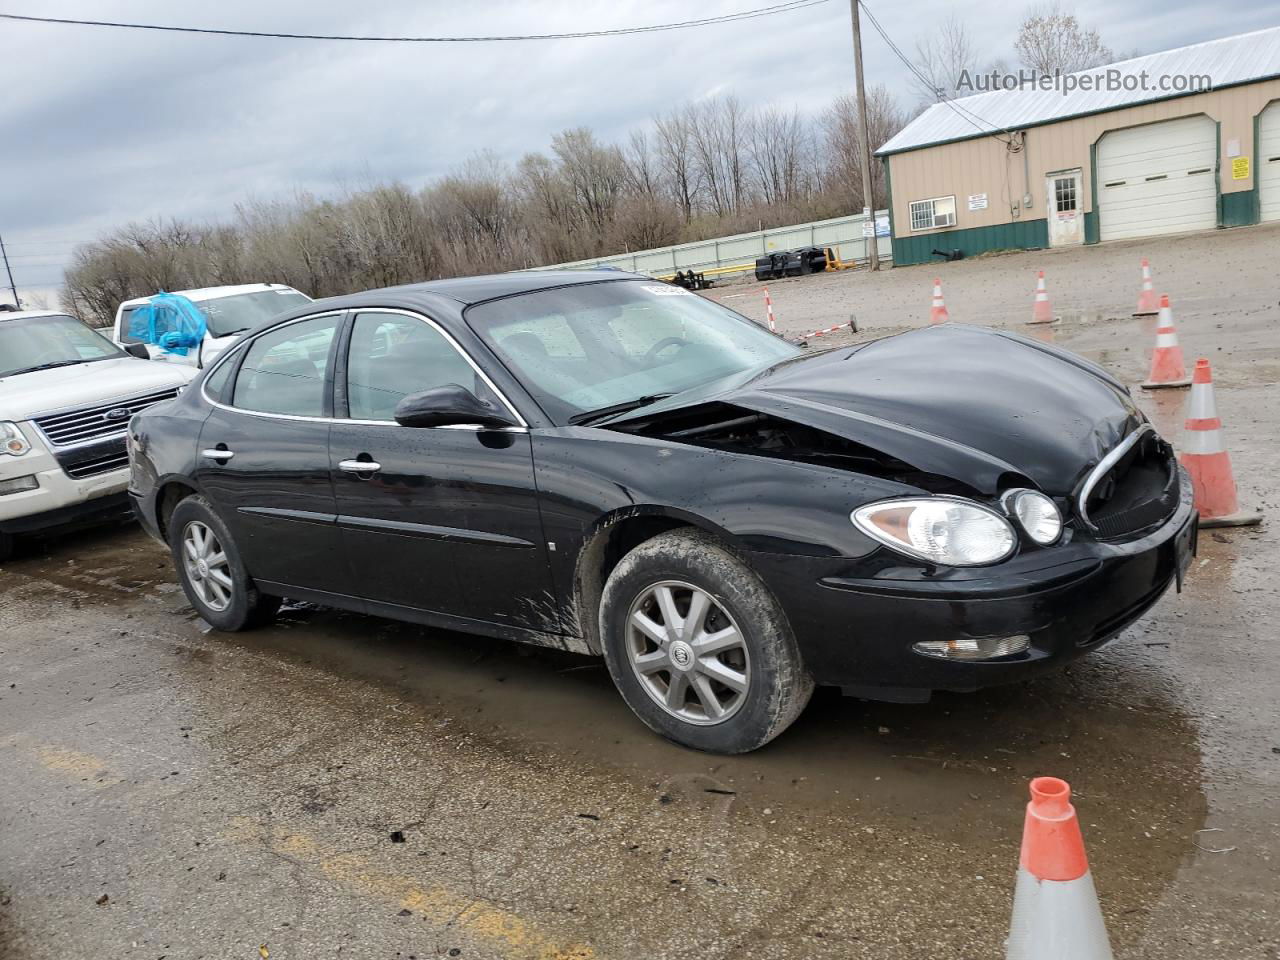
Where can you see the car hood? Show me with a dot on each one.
(25, 395)
(968, 403)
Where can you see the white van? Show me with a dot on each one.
(66, 397)
(229, 312)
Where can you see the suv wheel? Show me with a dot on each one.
(698, 646)
(211, 571)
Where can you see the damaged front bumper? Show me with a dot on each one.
(858, 632)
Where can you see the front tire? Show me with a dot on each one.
(698, 646)
(6, 546)
(211, 572)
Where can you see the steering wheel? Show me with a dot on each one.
(662, 345)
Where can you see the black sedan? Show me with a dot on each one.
(616, 466)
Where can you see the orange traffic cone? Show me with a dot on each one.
(938, 313)
(1148, 305)
(1041, 312)
(1056, 915)
(1207, 460)
(1167, 367)
(768, 307)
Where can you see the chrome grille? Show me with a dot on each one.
(92, 467)
(1134, 488)
(101, 420)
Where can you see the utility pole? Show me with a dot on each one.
(9, 270)
(873, 251)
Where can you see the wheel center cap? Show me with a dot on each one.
(681, 655)
(202, 567)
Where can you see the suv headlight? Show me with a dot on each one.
(945, 530)
(12, 442)
(1037, 514)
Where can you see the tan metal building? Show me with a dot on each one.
(1174, 142)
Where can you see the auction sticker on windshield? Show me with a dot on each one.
(665, 291)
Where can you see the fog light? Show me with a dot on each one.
(973, 648)
(19, 485)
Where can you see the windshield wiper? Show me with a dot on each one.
(589, 416)
(46, 366)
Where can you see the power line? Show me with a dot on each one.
(776, 8)
(963, 112)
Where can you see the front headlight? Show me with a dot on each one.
(1038, 514)
(943, 530)
(12, 442)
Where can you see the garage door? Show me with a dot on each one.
(1159, 178)
(1269, 163)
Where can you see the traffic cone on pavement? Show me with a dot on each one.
(1056, 915)
(1041, 312)
(768, 307)
(938, 313)
(1207, 460)
(1148, 304)
(1167, 367)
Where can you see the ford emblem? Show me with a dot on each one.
(119, 413)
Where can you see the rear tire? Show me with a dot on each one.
(699, 647)
(211, 572)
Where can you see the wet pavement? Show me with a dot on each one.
(343, 786)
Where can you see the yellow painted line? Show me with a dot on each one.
(66, 761)
(500, 929)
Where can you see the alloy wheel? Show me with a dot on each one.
(687, 652)
(206, 566)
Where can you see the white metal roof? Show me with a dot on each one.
(1245, 58)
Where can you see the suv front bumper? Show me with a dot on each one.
(57, 499)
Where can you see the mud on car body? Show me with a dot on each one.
(619, 467)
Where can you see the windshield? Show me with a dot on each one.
(592, 346)
(227, 315)
(39, 342)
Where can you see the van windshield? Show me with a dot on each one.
(42, 343)
(234, 314)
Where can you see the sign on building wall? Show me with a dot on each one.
(1240, 168)
(978, 201)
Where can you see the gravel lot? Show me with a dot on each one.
(341, 786)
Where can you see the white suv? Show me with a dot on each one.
(66, 397)
(228, 311)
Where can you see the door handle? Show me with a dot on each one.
(222, 456)
(359, 466)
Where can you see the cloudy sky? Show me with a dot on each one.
(101, 126)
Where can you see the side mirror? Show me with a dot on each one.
(447, 406)
(138, 350)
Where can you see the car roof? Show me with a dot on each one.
(202, 294)
(473, 290)
(27, 314)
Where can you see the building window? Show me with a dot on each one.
(1064, 194)
(938, 212)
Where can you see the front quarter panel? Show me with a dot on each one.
(587, 477)
(162, 447)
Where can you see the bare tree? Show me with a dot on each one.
(843, 144)
(717, 149)
(781, 156)
(942, 59)
(674, 135)
(594, 171)
(1051, 40)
